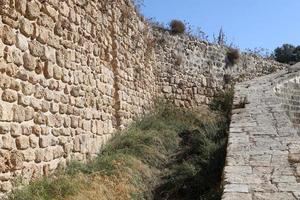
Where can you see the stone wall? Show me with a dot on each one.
(288, 90)
(72, 72)
(192, 71)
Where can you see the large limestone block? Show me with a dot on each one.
(22, 142)
(17, 57)
(7, 142)
(26, 28)
(21, 6)
(36, 49)
(32, 10)
(48, 70)
(18, 114)
(50, 11)
(9, 96)
(21, 42)
(6, 112)
(8, 36)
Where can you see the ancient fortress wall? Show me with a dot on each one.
(74, 71)
(192, 71)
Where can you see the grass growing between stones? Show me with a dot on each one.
(169, 154)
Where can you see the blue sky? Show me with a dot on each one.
(247, 23)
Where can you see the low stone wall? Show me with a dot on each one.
(289, 92)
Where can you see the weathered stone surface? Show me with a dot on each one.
(7, 142)
(57, 72)
(36, 49)
(16, 160)
(49, 10)
(4, 129)
(29, 113)
(18, 114)
(167, 89)
(8, 36)
(294, 157)
(33, 10)
(64, 9)
(48, 70)
(6, 186)
(21, 42)
(21, 6)
(39, 155)
(40, 118)
(6, 113)
(26, 28)
(29, 155)
(22, 142)
(9, 96)
(29, 62)
(45, 141)
(17, 57)
(15, 130)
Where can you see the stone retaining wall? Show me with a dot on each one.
(71, 73)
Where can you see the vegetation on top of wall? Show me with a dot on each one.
(168, 154)
(233, 56)
(177, 27)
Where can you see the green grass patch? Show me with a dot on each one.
(196, 171)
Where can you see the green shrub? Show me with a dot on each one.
(287, 53)
(222, 102)
(197, 170)
(177, 26)
(233, 56)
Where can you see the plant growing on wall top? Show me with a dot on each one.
(177, 26)
(233, 56)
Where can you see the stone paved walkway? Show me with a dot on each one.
(264, 148)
